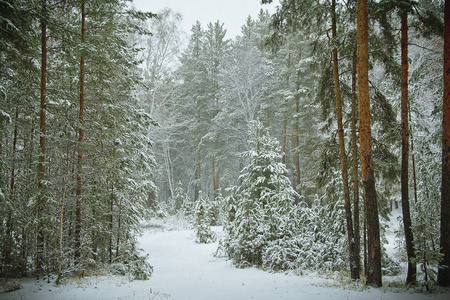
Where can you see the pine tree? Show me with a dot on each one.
(42, 138)
(354, 256)
(411, 275)
(371, 209)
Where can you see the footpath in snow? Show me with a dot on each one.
(186, 270)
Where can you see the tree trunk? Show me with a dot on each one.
(198, 172)
(213, 171)
(444, 273)
(42, 133)
(365, 135)
(284, 144)
(61, 220)
(80, 140)
(411, 275)
(118, 233)
(215, 174)
(412, 157)
(355, 174)
(6, 251)
(296, 130)
(343, 156)
(111, 210)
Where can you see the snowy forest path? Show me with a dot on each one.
(184, 269)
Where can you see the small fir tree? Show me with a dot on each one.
(204, 234)
(259, 208)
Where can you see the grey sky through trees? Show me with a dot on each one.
(231, 12)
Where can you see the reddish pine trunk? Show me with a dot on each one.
(444, 273)
(42, 128)
(355, 169)
(365, 136)
(80, 140)
(296, 130)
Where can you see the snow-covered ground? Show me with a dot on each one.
(186, 270)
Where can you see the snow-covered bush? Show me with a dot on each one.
(133, 265)
(281, 254)
(202, 225)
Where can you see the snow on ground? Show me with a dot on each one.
(186, 270)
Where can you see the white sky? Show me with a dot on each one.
(232, 13)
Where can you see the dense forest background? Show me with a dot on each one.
(110, 116)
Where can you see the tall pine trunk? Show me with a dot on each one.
(365, 136)
(296, 145)
(284, 144)
(355, 175)
(78, 220)
(444, 273)
(412, 269)
(343, 156)
(42, 133)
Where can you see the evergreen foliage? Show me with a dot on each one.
(39, 235)
(261, 203)
(203, 220)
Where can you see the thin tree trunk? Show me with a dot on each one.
(216, 189)
(61, 220)
(413, 160)
(118, 233)
(296, 130)
(444, 273)
(198, 172)
(284, 144)
(42, 133)
(355, 174)
(78, 220)
(409, 239)
(9, 221)
(365, 136)
(111, 204)
(213, 170)
(297, 143)
(343, 156)
(169, 171)
(215, 174)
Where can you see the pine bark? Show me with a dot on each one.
(9, 222)
(355, 175)
(297, 142)
(213, 171)
(284, 144)
(42, 133)
(343, 156)
(296, 130)
(78, 220)
(365, 135)
(444, 273)
(198, 172)
(412, 269)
